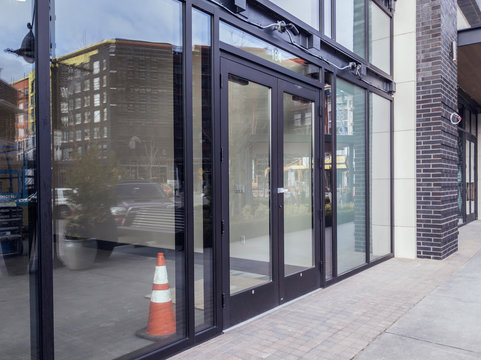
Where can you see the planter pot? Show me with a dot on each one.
(78, 254)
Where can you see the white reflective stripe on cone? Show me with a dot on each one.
(160, 296)
(160, 275)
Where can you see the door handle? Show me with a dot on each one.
(282, 190)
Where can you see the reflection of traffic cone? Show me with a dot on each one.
(161, 314)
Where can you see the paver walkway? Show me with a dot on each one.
(341, 321)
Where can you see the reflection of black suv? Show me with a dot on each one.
(144, 206)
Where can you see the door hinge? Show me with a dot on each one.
(222, 227)
(223, 300)
(221, 154)
(221, 82)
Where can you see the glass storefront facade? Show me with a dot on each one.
(171, 156)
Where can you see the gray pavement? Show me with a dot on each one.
(400, 309)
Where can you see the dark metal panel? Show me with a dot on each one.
(469, 36)
(43, 286)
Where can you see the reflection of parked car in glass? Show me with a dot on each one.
(145, 207)
(63, 207)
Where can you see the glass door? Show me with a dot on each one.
(267, 180)
(298, 248)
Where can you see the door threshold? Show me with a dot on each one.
(270, 311)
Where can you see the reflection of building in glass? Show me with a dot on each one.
(8, 111)
(21, 126)
(12, 159)
(118, 95)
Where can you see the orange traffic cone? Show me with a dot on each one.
(161, 314)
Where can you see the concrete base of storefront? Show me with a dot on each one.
(400, 309)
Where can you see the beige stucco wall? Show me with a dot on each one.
(405, 129)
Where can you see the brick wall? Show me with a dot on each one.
(471, 11)
(436, 137)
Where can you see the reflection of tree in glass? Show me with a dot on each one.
(93, 179)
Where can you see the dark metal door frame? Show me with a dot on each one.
(301, 282)
(250, 303)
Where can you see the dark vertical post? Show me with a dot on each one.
(188, 189)
(42, 288)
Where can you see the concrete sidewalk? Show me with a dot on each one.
(400, 309)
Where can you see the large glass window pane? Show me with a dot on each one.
(379, 38)
(251, 44)
(17, 188)
(351, 176)
(307, 10)
(380, 176)
(202, 151)
(350, 20)
(249, 184)
(119, 197)
(298, 173)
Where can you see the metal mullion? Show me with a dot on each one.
(277, 181)
(188, 176)
(333, 21)
(317, 189)
(42, 282)
(367, 176)
(391, 172)
(216, 175)
(321, 170)
(334, 175)
(367, 18)
(391, 43)
(321, 17)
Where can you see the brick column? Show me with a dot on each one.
(436, 137)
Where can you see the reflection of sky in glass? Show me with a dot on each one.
(14, 16)
(82, 23)
(200, 20)
(242, 40)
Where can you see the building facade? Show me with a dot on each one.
(239, 153)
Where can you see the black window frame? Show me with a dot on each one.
(42, 291)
